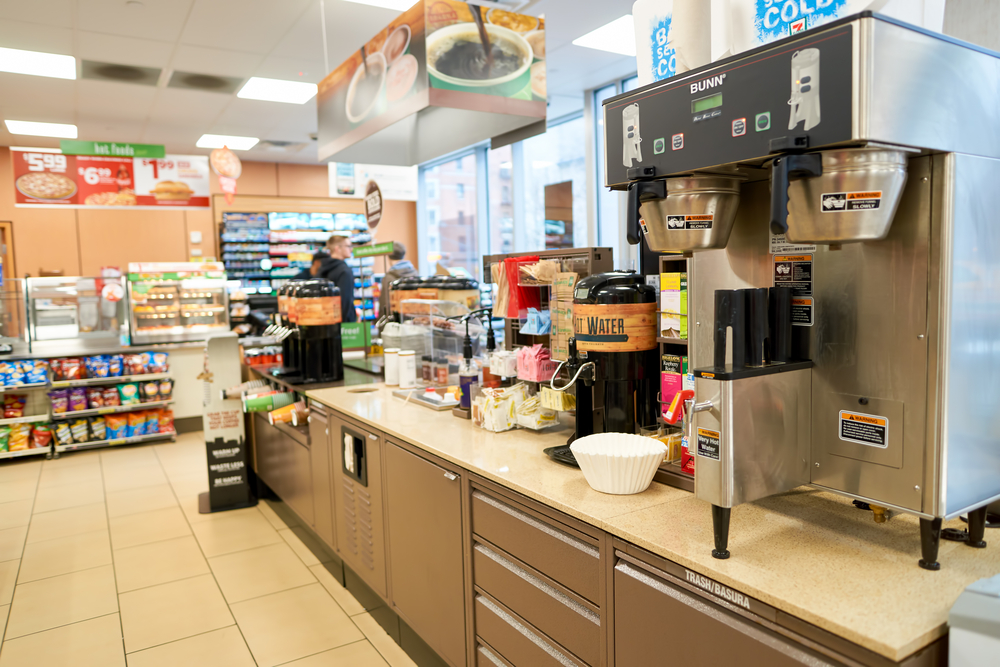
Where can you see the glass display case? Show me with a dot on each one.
(13, 318)
(174, 302)
(75, 314)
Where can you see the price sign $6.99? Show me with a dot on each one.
(45, 161)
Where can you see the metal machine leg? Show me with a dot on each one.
(930, 539)
(720, 525)
(977, 528)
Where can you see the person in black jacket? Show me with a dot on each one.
(336, 270)
(312, 271)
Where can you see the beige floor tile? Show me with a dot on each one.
(168, 612)
(134, 477)
(93, 643)
(127, 456)
(236, 532)
(4, 611)
(343, 597)
(74, 474)
(63, 496)
(358, 654)
(67, 522)
(73, 459)
(12, 542)
(262, 571)
(189, 503)
(293, 624)
(134, 501)
(390, 650)
(189, 486)
(63, 555)
(299, 547)
(49, 603)
(219, 648)
(15, 513)
(23, 469)
(134, 529)
(271, 516)
(8, 579)
(18, 489)
(159, 563)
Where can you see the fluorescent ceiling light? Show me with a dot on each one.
(31, 128)
(398, 5)
(277, 90)
(615, 37)
(222, 140)
(37, 63)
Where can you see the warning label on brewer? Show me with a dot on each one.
(796, 271)
(689, 221)
(839, 202)
(863, 429)
(708, 444)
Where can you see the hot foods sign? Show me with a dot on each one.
(48, 179)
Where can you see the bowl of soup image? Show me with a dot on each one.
(366, 88)
(456, 61)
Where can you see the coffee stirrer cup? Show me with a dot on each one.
(484, 36)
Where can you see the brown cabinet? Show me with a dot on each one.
(424, 522)
(284, 463)
(519, 644)
(319, 449)
(356, 462)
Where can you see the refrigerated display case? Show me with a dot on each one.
(176, 302)
(69, 315)
(13, 318)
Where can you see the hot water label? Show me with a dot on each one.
(708, 444)
(870, 430)
(627, 327)
(796, 271)
(839, 202)
(689, 221)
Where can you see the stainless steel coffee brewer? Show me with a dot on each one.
(876, 210)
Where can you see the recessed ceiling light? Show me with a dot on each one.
(615, 37)
(276, 90)
(221, 140)
(37, 63)
(31, 128)
(398, 5)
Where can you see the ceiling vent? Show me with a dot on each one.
(143, 76)
(205, 82)
(274, 146)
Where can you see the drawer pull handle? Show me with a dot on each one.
(450, 476)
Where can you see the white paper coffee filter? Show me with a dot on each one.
(618, 463)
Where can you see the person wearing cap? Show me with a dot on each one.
(312, 271)
(403, 268)
(336, 270)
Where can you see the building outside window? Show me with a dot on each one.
(450, 216)
(555, 184)
(500, 176)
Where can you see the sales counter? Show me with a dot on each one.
(494, 555)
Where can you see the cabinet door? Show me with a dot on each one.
(284, 465)
(656, 620)
(319, 441)
(358, 500)
(424, 519)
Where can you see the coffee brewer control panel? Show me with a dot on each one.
(743, 109)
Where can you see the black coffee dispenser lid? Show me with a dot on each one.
(614, 287)
(310, 289)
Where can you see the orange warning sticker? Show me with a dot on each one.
(870, 430)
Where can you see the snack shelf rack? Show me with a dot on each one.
(34, 451)
(27, 419)
(121, 379)
(61, 449)
(23, 387)
(108, 410)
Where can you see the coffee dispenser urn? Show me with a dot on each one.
(318, 316)
(843, 281)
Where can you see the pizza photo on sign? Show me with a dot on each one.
(44, 178)
(225, 163)
(45, 185)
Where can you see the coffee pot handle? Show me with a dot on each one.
(638, 192)
(782, 170)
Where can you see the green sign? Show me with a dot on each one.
(354, 335)
(110, 149)
(372, 250)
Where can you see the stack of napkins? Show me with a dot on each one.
(496, 409)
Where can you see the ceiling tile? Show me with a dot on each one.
(102, 128)
(251, 25)
(292, 69)
(37, 98)
(36, 37)
(50, 12)
(177, 106)
(215, 61)
(161, 21)
(123, 50)
(114, 101)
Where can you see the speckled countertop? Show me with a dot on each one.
(809, 553)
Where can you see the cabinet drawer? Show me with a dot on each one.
(518, 644)
(487, 658)
(552, 551)
(553, 612)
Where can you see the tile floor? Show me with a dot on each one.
(105, 561)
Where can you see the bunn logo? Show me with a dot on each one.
(705, 84)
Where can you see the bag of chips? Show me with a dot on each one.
(111, 397)
(64, 436)
(157, 363)
(95, 397)
(98, 428)
(136, 424)
(37, 372)
(152, 422)
(166, 421)
(57, 371)
(129, 393)
(60, 400)
(150, 391)
(15, 374)
(133, 365)
(80, 430)
(41, 436)
(4, 437)
(72, 369)
(115, 426)
(19, 435)
(166, 389)
(13, 405)
(77, 399)
(116, 364)
(146, 359)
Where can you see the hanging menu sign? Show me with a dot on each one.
(46, 178)
(111, 149)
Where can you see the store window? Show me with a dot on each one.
(451, 219)
(608, 202)
(555, 182)
(500, 176)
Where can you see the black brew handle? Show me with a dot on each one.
(781, 172)
(638, 192)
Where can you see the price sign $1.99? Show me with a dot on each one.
(157, 165)
(45, 162)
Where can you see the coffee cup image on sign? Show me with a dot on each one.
(675, 222)
(630, 135)
(834, 202)
(804, 101)
(365, 89)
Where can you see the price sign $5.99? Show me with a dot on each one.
(45, 161)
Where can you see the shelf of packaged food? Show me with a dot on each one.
(31, 451)
(672, 341)
(28, 419)
(60, 449)
(145, 377)
(108, 410)
(23, 387)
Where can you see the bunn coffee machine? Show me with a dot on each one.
(872, 198)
